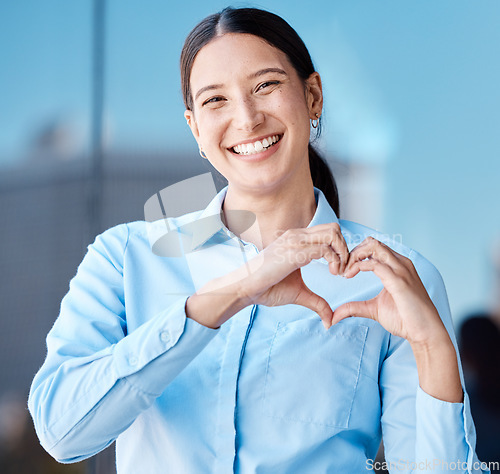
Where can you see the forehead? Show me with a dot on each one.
(234, 54)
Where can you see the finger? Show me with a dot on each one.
(334, 262)
(340, 246)
(317, 304)
(301, 256)
(372, 249)
(335, 265)
(364, 309)
(383, 271)
(330, 234)
(303, 247)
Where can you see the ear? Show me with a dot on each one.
(314, 95)
(191, 121)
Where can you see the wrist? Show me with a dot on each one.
(437, 367)
(430, 332)
(216, 302)
(436, 339)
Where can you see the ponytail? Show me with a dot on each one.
(323, 179)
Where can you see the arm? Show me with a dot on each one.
(273, 277)
(97, 378)
(425, 416)
(444, 426)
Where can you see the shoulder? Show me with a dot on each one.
(136, 229)
(354, 233)
(429, 275)
(138, 236)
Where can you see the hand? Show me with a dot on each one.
(403, 307)
(275, 278)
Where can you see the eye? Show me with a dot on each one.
(213, 100)
(267, 85)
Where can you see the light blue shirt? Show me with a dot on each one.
(270, 391)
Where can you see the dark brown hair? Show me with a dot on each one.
(279, 34)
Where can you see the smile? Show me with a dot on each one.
(257, 146)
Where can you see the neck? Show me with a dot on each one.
(276, 211)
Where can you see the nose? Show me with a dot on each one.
(247, 116)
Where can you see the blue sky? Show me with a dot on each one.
(385, 52)
(411, 88)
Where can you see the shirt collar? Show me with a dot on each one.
(210, 220)
(324, 213)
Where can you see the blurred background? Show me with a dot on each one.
(91, 125)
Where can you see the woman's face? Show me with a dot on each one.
(251, 113)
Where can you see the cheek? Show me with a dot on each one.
(210, 128)
(293, 106)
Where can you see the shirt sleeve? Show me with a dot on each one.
(97, 378)
(420, 432)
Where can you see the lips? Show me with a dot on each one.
(256, 146)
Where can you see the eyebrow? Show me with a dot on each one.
(259, 73)
(207, 88)
(262, 72)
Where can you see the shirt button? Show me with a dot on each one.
(132, 360)
(165, 336)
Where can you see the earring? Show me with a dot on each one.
(315, 122)
(202, 154)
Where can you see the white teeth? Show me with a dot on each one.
(256, 147)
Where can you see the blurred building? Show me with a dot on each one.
(47, 221)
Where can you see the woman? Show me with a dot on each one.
(238, 373)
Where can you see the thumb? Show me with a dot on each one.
(315, 303)
(364, 309)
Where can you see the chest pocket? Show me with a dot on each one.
(312, 374)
